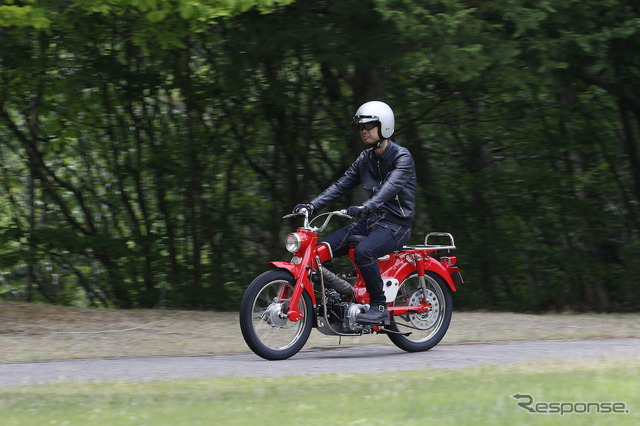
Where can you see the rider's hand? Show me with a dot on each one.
(307, 206)
(357, 212)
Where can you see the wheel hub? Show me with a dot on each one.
(424, 320)
(274, 315)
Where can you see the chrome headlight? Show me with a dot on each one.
(293, 242)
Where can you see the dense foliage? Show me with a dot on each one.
(151, 147)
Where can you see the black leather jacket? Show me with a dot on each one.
(390, 178)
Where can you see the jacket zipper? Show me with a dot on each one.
(397, 196)
(400, 205)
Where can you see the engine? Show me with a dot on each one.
(341, 315)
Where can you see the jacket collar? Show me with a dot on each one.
(391, 146)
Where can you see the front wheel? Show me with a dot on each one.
(428, 328)
(263, 320)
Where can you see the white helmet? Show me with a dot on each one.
(376, 111)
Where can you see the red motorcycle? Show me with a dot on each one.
(283, 304)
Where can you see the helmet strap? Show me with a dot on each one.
(379, 142)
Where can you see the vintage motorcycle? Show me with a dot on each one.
(283, 304)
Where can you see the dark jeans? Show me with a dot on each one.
(381, 238)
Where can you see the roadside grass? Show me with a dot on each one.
(30, 332)
(479, 396)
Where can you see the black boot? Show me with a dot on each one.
(375, 315)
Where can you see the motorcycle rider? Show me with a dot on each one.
(387, 171)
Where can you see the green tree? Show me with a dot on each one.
(150, 148)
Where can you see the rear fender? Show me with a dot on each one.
(439, 269)
(430, 264)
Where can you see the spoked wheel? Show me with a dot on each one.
(263, 316)
(428, 328)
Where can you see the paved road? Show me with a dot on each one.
(331, 359)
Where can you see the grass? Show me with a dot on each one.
(480, 396)
(31, 332)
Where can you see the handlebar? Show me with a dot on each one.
(307, 223)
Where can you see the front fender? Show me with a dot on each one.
(286, 266)
(296, 271)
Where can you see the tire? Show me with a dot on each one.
(264, 325)
(427, 329)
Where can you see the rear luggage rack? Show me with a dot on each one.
(435, 247)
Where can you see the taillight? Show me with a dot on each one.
(449, 261)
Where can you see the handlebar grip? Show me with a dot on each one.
(343, 213)
(301, 212)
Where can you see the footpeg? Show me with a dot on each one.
(387, 331)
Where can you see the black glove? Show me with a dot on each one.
(307, 206)
(357, 212)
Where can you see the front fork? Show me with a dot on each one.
(302, 284)
(301, 273)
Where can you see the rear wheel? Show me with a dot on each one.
(263, 316)
(428, 328)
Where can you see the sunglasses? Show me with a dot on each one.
(368, 126)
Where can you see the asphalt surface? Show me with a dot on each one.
(331, 359)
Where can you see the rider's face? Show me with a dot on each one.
(370, 133)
